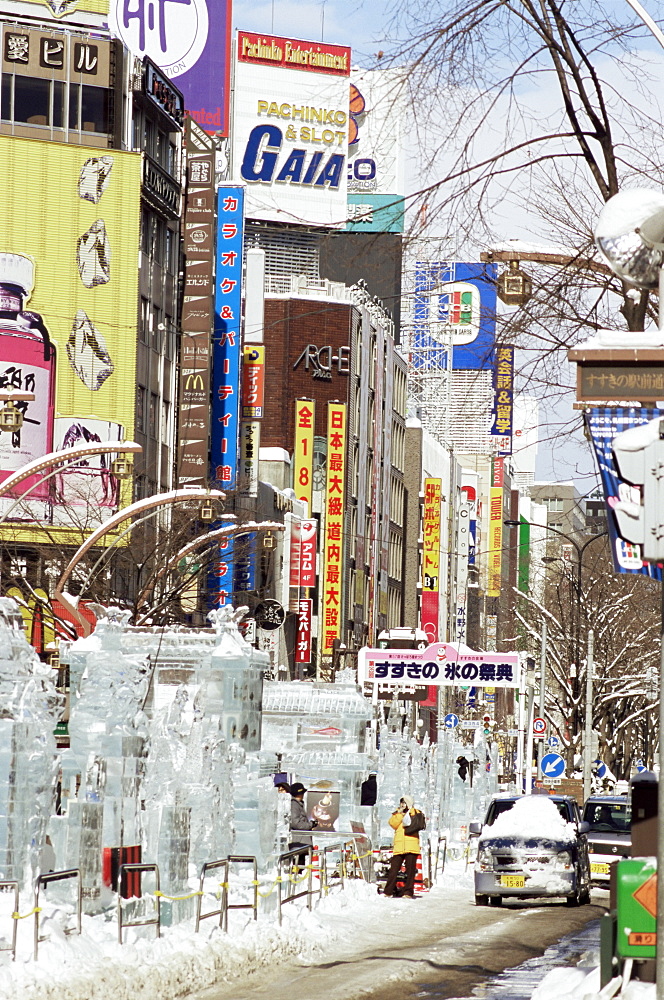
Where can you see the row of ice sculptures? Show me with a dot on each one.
(174, 741)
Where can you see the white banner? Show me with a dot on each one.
(439, 665)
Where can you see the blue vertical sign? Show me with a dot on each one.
(244, 578)
(226, 347)
(225, 368)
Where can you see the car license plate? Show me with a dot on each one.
(513, 881)
(599, 868)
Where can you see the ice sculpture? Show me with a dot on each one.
(30, 707)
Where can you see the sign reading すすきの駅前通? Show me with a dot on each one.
(290, 129)
(439, 665)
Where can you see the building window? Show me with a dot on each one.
(88, 108)
(140, 408)
(554, 505)
(152, 416)
(32, 100)
(556, 526)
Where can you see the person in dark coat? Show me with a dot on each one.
(300, 823)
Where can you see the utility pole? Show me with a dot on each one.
(587, 739)
(542, 698)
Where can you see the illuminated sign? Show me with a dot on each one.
(431, 558)
(495, 555)
(332, 610)
(303, 454)
(253, 381)
(503, 406)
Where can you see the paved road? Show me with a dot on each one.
(441, 946)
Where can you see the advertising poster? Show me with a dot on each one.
(604, 423)
(323, 808)
(69, 238)
(290, 128)
(190, 40)
(431, 558)
(332, 591)
(253, 381)
(455, 306)
(303, 455)
(495, 557)
(502, 427)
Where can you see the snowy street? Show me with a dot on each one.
(393, 949)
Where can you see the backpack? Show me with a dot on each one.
(417, 823)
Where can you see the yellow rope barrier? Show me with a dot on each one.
(190, 895)
(22, 916)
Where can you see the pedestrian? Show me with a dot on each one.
(283, 786)
(406, 821)
(300, 823)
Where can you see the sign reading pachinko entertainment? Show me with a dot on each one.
(439, 665)
(604, 423)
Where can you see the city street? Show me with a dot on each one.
(441, 943)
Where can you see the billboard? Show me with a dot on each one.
(303, 454)
(604, 423)
(197, 309)
(226, 345)
(431, 558)
(440, 665)
(69, 238)
(502, 425)
(335, 484)
(495, 554)
(190, 40)
(290, 129)
(454, 306)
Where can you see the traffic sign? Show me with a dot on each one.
(553, 741)
(471, 724)
(553, 765)
(451, 721)
(539, 727)
(601, 768)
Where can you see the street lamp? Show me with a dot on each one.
(577, 584)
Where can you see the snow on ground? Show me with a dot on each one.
(95, 966)
(583, 981)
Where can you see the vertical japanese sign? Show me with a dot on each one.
(431, 558)
(244, 551)
(197, 309)
(495, 528)
(253, 381)
(305, 410)
(334, 526)
(502, 427)
(225, 408)
(226, 351)
(303, 553)
(303, 642)
(250, 443)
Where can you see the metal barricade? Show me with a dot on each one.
(324, 867)
(241, 859)
(222, 912)
(46, 879)
(136, 868)
(288, 858)
(442, 839)
(12, 887)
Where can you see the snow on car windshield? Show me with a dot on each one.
(532, 817)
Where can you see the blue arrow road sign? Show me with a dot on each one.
(553, 765)
(600, 770)
(553, 741)
(451, 721)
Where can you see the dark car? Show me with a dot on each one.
(537, 856)
(610, 835)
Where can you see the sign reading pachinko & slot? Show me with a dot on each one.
(303, 453)
(290, 128)
(440, 665)
(332, 611)
(502, 427)
(431, 558)
(225, 379)
(495, 557)
(604, 423)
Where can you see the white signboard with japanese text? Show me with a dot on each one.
(439, 665)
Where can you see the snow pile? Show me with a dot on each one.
(533, 817)
(584, 982)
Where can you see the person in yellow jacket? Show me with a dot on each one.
(405, 849)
